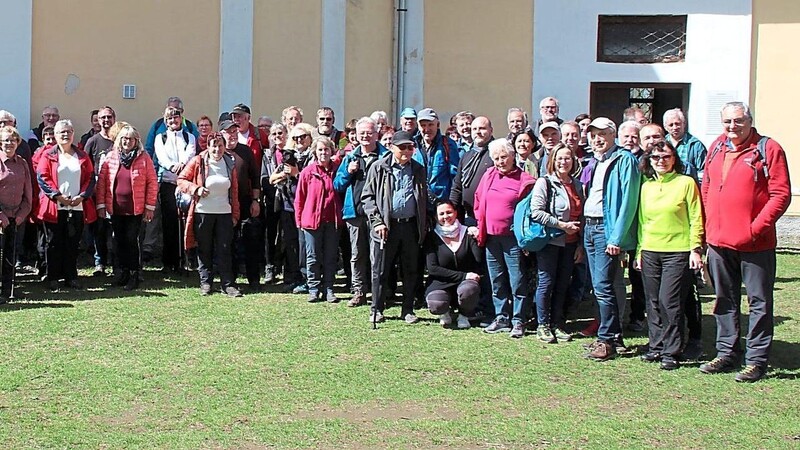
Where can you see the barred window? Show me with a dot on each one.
(641, 39)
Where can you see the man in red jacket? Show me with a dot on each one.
(745, 190)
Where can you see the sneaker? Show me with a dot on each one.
(544, 334)
(231, 291)
(462, 322)
(133, 283)
(313, 297)
(693, 350)
(358, 299)
(269, 276)
(590, 330)
(99, 271)
(720, 364)
(411, 318)
(446, 319)
(637, 326)
(205, 289)
(517, 332)
(651, 357)
(669, 363)
(301, 288)
(499, 325)
(375, 317)
(53, 286)
(561, 335)
(751, 373)
(330, 297)
(602, 351)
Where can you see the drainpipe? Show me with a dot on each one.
(400, 58)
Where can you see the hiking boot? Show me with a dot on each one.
(99, 270)
(205, 289)
(561, 335)
(720, 364)
(231, 291)
(313, 297)
(693, 350)
(602, 351)
(651, 357)
(544, 334)
(499, 325)
(446, 319)
(669, 363)
(121, 278)
(590, 330)
(358, 299)
(330, 297)
(462, 323)
(133, 282)
(751, 373)
(517, 332)
(301, 288)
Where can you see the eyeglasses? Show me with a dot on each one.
(276, 133)
(105, 117)
(203, 125)
(325, 119)
(64, 132)
(405, 147)
(264, 126)
(50, 115)
(548, 107)
(658, 158)
(8, 141)
(299, 138)
(738, 122)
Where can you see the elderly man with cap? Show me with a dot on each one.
(408, 121)
(247, 233)
(250, 135)
(394, 200)
(438, 154)
(549, 137)
(612, 199)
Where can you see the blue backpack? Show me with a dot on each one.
(531, 235)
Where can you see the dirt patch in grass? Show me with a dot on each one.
(366, 413)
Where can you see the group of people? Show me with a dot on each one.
(390, 205)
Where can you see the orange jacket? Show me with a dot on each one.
(143, 180)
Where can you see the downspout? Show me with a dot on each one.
(400, 58)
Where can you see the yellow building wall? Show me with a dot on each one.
(286, 57)
(368, 59)
(85, 50)
(776, 27)
(479, 56)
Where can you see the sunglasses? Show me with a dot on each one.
(405, 147)
(657, 158)
(299, 138)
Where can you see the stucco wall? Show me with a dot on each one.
(84, 51)
(478, 56)
(776, 27)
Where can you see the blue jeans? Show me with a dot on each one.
(555, 271)
(322, 255)
(509, 282)
(604, 269)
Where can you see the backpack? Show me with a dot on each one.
(761, 148)
(531, 235)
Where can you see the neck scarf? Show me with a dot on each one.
(449, 231)
(126, 159)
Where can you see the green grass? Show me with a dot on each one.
(169, 369)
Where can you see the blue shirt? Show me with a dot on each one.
(403, 206)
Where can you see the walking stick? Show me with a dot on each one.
(381, 274)
(2, 253)
(13, 259)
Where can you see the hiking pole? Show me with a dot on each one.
(13, 258)
(2, 255)
(381, 274)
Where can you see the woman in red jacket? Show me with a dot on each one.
(318, 212)
(66, 179)
(210, 178)
(127, 189)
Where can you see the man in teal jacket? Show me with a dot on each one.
(612, 198)
(438, 154)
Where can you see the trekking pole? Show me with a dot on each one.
(381, 273)
(13, 260)
(2, 253)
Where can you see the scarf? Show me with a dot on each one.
(126, 159)
(449, 231)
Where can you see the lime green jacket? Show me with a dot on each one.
(670, 214)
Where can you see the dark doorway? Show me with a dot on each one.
(610, 99)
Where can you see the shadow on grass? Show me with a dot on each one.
(14, 306)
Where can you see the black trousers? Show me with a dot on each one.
(214, 236)
(728, 269)
(692, 307)
(402, 242)
(171, 250)
(248, 246)
(291, 245)
(638, 302)
(62, 239)
(663, 274)
(8, 261)
(126, 237)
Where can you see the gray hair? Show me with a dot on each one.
(278, 126)
(514, 110)
(53, 107)
(175, 100)
(546, 99)
(570, 123)
(367, 121)
(742, 106)
(7, 115)
(675, 112)
(501, 144)
(265, 118)
(630, 124)
(63, 124)
(378, 115)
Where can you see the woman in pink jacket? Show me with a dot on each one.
(318, 212)
(127, 189)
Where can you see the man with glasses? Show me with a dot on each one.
(255, 138)
(548, 111)
(50, 116)
(24, 150)
(438, 154)
(325, 127)
(96, 147)
(395, 204)
(745, 189)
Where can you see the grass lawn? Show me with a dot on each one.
(169, 369)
